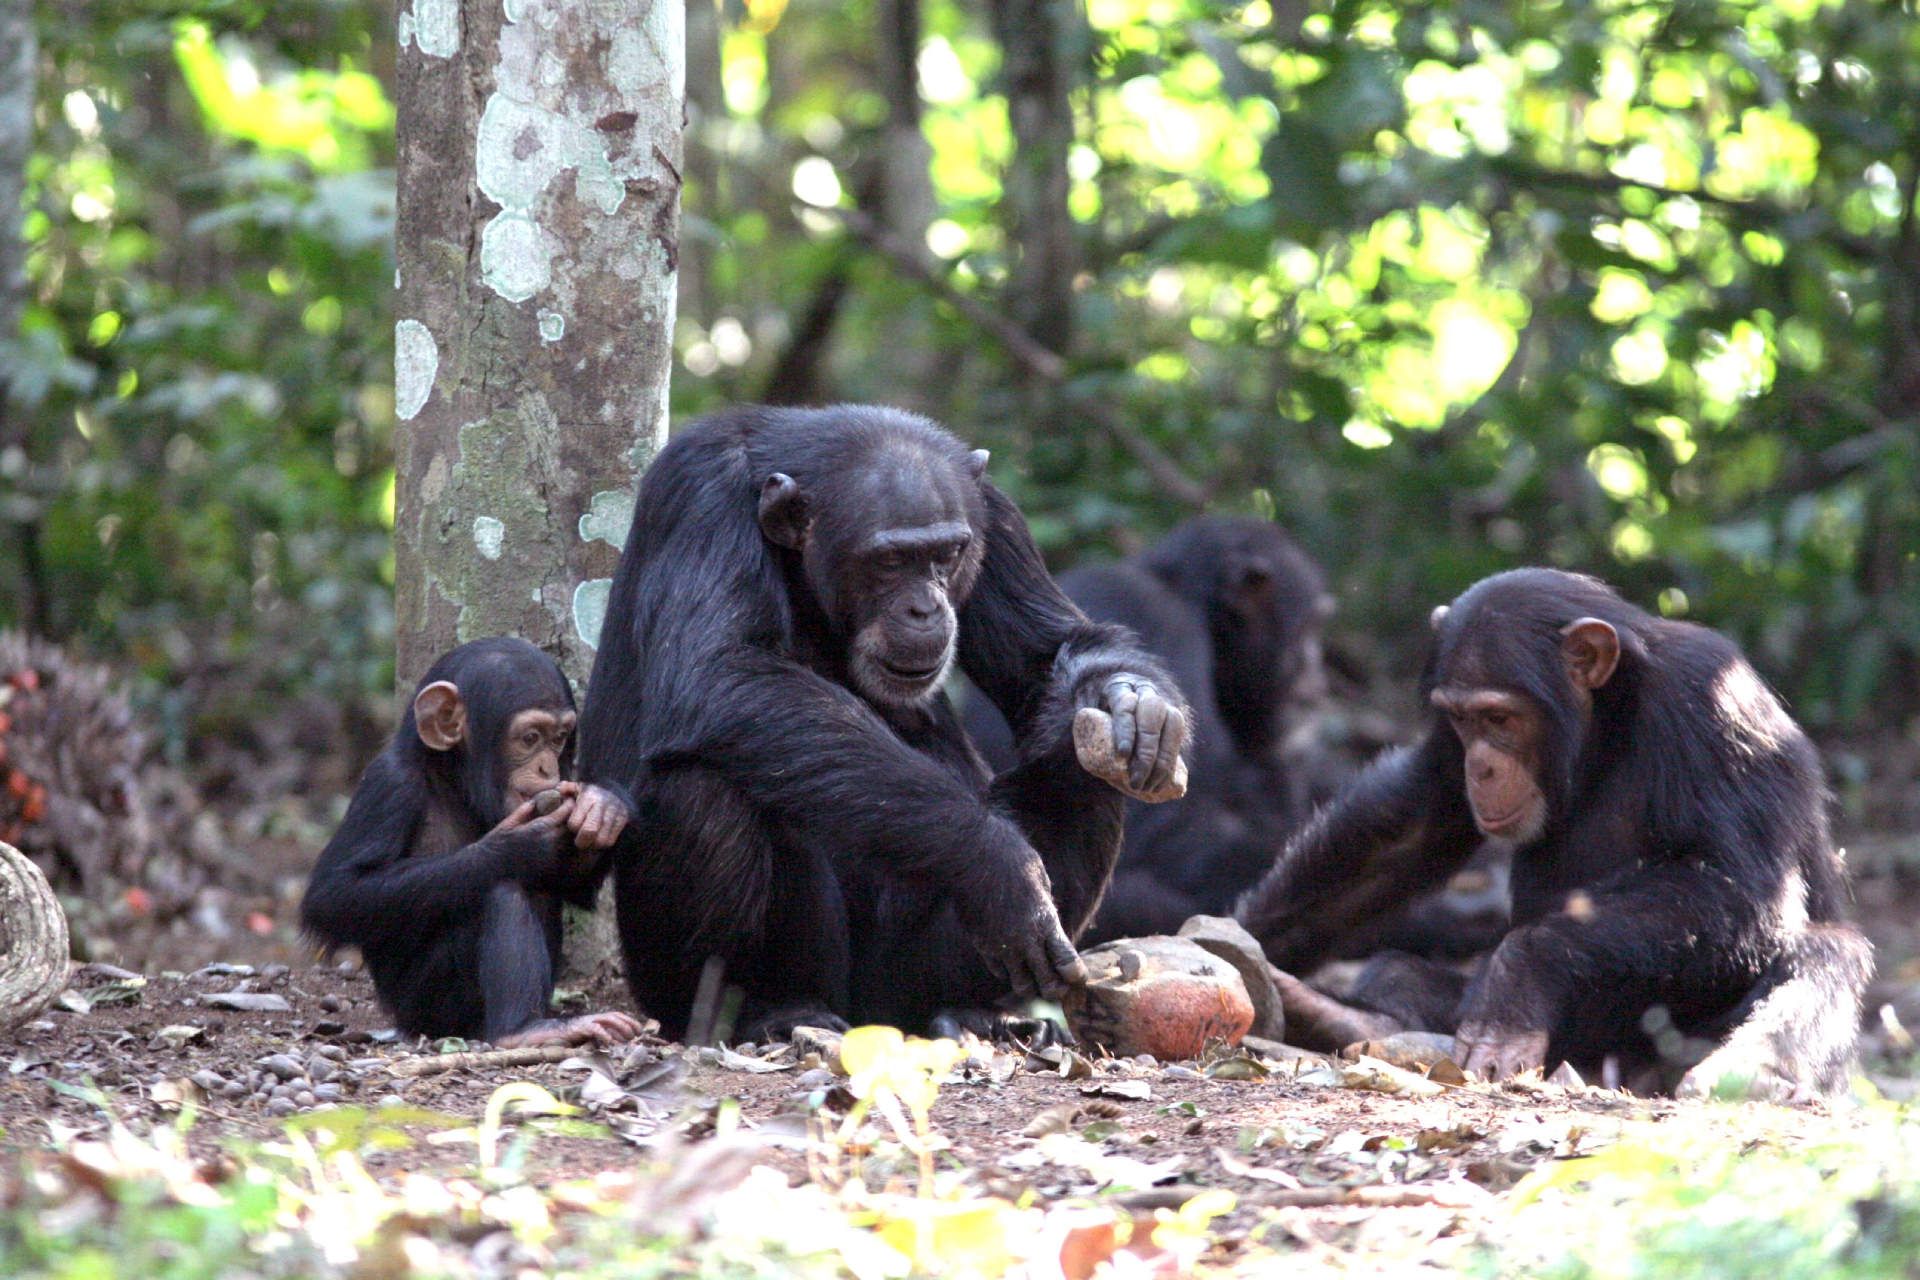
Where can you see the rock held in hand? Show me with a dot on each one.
(1228, 939)
(1164, 996)
(1093, 744)
(547, 801)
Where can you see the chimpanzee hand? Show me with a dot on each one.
(538, 840)
(1017, 932)
(1494, 1053)
(596, 818)
(1131, 736)
(1506, 1017)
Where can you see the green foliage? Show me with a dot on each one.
(200, 478)
(1452, 286)
(1447, 287)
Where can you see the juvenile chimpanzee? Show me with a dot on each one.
(1672, 872)
(796, 586)
(1234, 608)
(445, 872)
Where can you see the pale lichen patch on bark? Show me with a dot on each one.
(488, 535)
(433, 26)
(590, 609)
(608, 517)
(553, 326)
(416, 362)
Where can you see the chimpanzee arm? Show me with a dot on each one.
(1030, 649)
(1678, 933)
(1040, 660)
(366, 885)
(1400, 829)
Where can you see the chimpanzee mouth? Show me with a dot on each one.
(912, 675)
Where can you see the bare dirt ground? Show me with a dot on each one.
(1299, 1134)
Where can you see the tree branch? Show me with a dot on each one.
(1029, 354)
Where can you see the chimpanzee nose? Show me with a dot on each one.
(923, 608)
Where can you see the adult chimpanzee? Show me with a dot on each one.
(1234, 608)
(449, 869)
(796, 586)
(1672, 872)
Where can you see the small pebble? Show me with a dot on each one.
(283, 1091)
(347, 966)
(1147, 1060)
(281, 1107)
(1182, 1073)
(330, 1003)
(235, 1089)
(749, 1048)
(327, 1092)
(332, 1052)
(306, 1097)
(818, 1078)
(211, 1081)
(275, 972)
(283, 1065)
(392, 1100)
(319, 1070)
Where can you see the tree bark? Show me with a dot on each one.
(1042, 42)
(537, 246)
(19, 54)
(33, 940)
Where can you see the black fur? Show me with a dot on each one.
(1686, 863)
(844, 859)
(459, 928)
(1234, 609)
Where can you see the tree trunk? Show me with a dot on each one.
(1041, 44)
(33, 940)
(538, 236)
(18, 56)
(537, 242)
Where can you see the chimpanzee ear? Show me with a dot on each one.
(977, 463)
(1438, 616)
(440, 716)
(783, 512)
(1592, 650)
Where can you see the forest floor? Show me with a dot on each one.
(1053, 1156)
(148, 1128)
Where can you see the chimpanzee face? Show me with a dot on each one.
(890, 550)
(1519, 746)
(536, 753)
(499, 715)
(1504, 736)
(899, 589)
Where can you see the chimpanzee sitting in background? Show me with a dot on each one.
(1234, 609)
(1672, 872)
(796, 586)
(445, 874)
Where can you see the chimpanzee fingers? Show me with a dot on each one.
(1150, 719)
(1173, 740)
(1065, 963)
(1121, 703)
(520, 817)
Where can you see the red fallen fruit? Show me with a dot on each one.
(260, 922)
(138, 900)
(27, 679)
(34, 807)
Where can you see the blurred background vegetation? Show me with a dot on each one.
(1625, 287)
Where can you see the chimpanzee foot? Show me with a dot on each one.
(608, 1028)
(1317, 1021)
(778, 1024)
(1000, 1028)
(1737, 1073)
